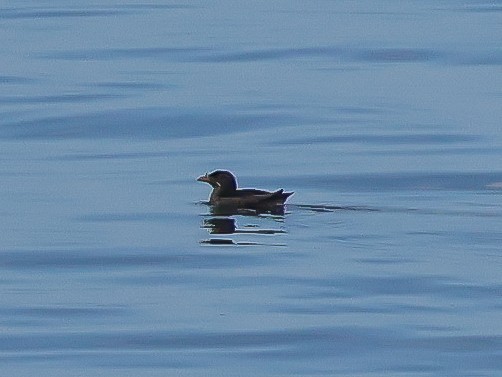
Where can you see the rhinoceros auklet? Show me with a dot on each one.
(225, 192)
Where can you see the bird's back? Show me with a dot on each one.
(255, 198)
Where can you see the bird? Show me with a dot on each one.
(225, 193)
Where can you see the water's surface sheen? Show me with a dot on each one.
(382, 116)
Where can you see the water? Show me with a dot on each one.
(383, 117)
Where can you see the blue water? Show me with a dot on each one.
(384, 117)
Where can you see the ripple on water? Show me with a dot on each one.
(343, 345)
(145, 123)
(477, 181)
(123, 258)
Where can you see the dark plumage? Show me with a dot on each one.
(225, 192)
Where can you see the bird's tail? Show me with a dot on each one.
(281, 195)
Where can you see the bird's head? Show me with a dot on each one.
(222, 179)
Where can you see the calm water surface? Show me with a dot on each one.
(383, 117)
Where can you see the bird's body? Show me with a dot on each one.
(226, 193)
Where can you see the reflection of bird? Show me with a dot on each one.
(220, 225)
(225, 193)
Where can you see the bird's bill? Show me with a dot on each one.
(203, 178)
